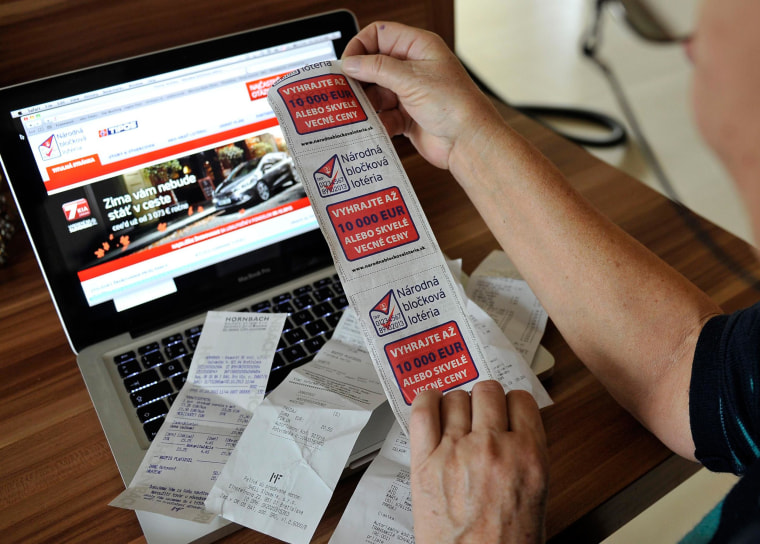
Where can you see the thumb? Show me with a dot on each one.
(382, 70)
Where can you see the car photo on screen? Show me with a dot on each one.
(255, 181)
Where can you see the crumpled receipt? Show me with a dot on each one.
(380, 509)
(413, 316)
(283, 472)
(226, 381)
(498, 288)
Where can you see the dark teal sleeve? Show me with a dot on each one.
(724, 401)
(724, 410)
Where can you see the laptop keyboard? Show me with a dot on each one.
(154, 373)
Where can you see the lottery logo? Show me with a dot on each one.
(387, 316)
(330, 178)
(49, 149)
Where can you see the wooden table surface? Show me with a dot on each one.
(56, 470)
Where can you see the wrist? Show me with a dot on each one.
(476, 152)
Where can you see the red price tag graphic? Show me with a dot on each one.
(437, 358)
(320, 103)
(372, 223)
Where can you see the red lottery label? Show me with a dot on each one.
(320, 103)
(372, 223)
(437, 358)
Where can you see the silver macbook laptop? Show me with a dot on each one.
(157, 188)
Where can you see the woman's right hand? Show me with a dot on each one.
(419, 88)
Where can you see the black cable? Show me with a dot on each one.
(615, 131)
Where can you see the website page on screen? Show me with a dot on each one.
(156, 178)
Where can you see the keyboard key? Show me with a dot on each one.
(152, 358)
(340, 302)
(141, 380)
(175, 350)
(173, 339)
(170, 369)
(289, 324)
(304, 289)
(184, 360)
(293, 353)
(313, 344)
(322, 309)
(151, 428)
(192, 342)
(151, 393)
(316, 327)
(284, 308)
(279, 299)
(124, 357)
(332, 319)
(282, 344)
(338, 288)
(262, 306)
(323, 282)
(129, 368)
(194, 331)
(153, 346)
(304, 316)
(278, 361)
(320, 295)
(152, 410)
(294, 336)
(304, 301)
(179, 380)
(306, 359)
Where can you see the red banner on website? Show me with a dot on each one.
(258, 88)
(147, 254)
(80, 170)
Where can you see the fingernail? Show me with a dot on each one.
(351, 65)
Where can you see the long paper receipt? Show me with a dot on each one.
(412, 315)
(227, 380)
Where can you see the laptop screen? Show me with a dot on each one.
(160, 186)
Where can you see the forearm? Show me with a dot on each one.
(632, 319)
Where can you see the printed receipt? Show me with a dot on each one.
(283, 472)
(412, 315)
(498, 288)
(380, 510)
(226, 381)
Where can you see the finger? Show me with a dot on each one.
(388, 38)
(524, 416)
(381, 98)
(455, 414)
(489, 407)
(382, 70)
(363, 43)
(425, 425)
(379, 54)
(393, 121)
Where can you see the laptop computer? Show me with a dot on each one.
(156, 188)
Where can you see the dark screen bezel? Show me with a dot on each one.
(215, 285)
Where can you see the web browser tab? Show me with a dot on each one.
(104, 133)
